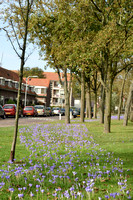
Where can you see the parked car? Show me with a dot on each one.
(41, 110)
(62, 111)
(10, 109)
(49, 111)
(2, 112)
(30, 111)
(76, 112)
(56, 111)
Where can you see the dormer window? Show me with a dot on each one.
(43, 90)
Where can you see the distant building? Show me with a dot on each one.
(47, 90)
(42, 90)
(9, 82)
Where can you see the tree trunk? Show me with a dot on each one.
(82, 96)
(12, 154)
(121, 96)
(129, 99)
(102, 105)
(67, 99)
(88, 101)
(107, 123)
(95, 105)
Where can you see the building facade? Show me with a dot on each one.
(46, 91)
(9, 82)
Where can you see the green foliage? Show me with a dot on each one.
(10, 101)
(35, 71)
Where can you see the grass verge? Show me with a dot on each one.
(68, 162)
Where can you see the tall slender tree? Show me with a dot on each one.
(16, 18)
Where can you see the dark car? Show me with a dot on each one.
(10, 109)
(30, 111)
(2, 112)
(76, 112)
(62, 111)
(49, 111)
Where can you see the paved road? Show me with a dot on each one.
(28, 120)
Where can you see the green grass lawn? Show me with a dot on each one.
(119, 141)
(53, 149)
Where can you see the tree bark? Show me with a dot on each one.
(67, 99)
(127, 108)
(82, 96)
(102, 105)
(121, 96)
(95, 105)
(107, 123)
(88, 101)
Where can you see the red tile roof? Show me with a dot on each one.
(8, 74)
(38, 82)
(53, 76)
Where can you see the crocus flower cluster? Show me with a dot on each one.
(64, 162)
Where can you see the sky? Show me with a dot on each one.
(10, 60)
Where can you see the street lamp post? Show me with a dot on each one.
(26, 88)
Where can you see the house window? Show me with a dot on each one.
(43, 90)
(16, 85)
(2, 81)
(22, 86)
(56, 83)
(38, 90)
(9, 83)
(32, 89)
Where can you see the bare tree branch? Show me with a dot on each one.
(22, 11)
(12, 43)
(15, 35)
(96, 6)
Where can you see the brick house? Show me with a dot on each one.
(9, 82)
(42, 90)
(49, 91)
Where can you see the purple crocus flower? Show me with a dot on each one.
(20, 195)
(31, 194)
(11, 189)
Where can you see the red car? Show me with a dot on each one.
(30, 111)
(10, 109)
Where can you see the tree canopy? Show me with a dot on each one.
(35, 71)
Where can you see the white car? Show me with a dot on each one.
(56, 111)
(41, 110)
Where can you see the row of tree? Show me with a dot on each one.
(88, 39)
(84, 38)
